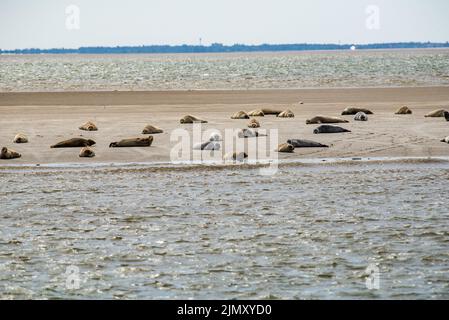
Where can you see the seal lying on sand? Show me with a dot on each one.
(446, 140)
(253, 123)
(298, 143)
(191, 119)
(9, 154)
(361, 116)
(436, 114)
(285, 148)
(87, 152)
(323, 119)
(149, 129)
(329, 129)
(351, 111)
(240, 115)
(286, 114)
(403, 110)
(446, 115)
(239, 156)
(133, 142)
(74, 143)
(208, 145)
(20, 138)
(256, 113)
(272, 112)
(88, 126)
(247, 133)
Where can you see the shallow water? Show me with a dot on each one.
(309, 231)
(225, 71)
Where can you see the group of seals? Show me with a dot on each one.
(9, 154)
(323, 119)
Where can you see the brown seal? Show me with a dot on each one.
(9, 154)
(133, 142)
(256, 113)
(20, 138)
(88, 126)
(403, 110)
(352, 111)
(253, 123)
(87, 152)
(240, 115)
(74, 143)
(323, 119)
(286, 114)
(149, 129)
(436, 114)
(285, 148)
(191, 119)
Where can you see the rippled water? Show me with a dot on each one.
(224, 71)
(197, 232)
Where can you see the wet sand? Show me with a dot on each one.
(48, 117)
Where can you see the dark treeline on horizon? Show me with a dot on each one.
(218, 47)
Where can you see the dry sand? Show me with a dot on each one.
(51, 117)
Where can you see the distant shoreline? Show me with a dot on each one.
(220, 48)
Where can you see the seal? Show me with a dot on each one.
(436, 114)
(329, 129)
(20, 138)
(208, 145)
(191, 119)
(299, 143)
(403, 110)
(285, 148)
(236, 156)
(248, 133)
(7, 154)
(286, 114)
(149, 129)
(253, 123)
(361, 116)
(351, 111)
(446, 140)
(133, 142)
(273, 112)
(215, 137)
(74, 143)
(323, 119)
(240, 115)
(256, 113)
(446, 115)
(87, 152)
(88, 126)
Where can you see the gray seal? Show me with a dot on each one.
(299, 143)
(329, 129)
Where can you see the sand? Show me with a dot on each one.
(49, 117)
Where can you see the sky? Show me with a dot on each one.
(75, 23)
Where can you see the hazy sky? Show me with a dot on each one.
(42, 23)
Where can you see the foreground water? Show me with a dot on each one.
(225, 71)
(309, 231)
